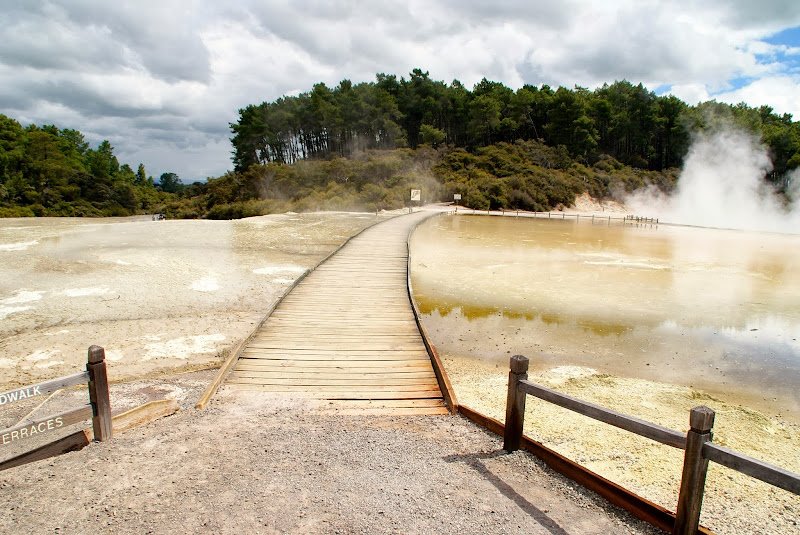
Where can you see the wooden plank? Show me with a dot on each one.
(338, 318)
(332, 332)
(323, 364)
(342, 349)
(384, 356)
(277, 321)
(695, 469)
(370, 382)
(615, 494)
(34, 428)
(767, 473)
(72, 442)
(144, 413)
(313, 339)
(333, 350)
(321, 307)
(39, 389)
(305, 394)
(345, 389)
(340, 373)
(623, 421)
(98, 394)
(333, 347)
(397, 403)
(389, 411)
(515, 403)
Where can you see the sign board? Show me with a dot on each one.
(416, 194)
(456, 196)
(30, 429)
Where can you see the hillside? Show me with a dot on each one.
(364, 146)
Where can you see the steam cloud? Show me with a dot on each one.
(723, 185)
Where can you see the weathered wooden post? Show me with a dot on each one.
(695, 467)
(515, 404)
(98, 394)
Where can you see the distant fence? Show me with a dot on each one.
(633, 220)
(98, 408)
(697, 443)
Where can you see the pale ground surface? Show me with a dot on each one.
(269, 466)
(733, 504)
(159, 296)
(258, 464)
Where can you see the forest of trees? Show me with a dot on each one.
(45, 171)
(364, 146)
(623, 121)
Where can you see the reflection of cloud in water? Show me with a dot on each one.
(759, 339)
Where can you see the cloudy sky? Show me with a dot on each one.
(162, 79)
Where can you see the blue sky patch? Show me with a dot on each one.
(788, 37)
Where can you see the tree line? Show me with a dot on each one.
(47, 171)
(364, 146)
(623, 121)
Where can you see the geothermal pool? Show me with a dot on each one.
(717, 310)
(160, 296)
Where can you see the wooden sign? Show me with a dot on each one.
(18, 394)
(31, 429)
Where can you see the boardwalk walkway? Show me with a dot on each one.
(346, 335)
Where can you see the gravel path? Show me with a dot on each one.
(258, 464)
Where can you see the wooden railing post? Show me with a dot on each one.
(695, 467)
(515, 404)
(98, 394)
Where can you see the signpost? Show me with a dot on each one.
(98, 409)
(416, 195)
(456, 198)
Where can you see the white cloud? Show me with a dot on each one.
(690, 93)
(162, 80)
(782, 93)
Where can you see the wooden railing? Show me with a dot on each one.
(98, 408)
(697, 443)
(624, 220)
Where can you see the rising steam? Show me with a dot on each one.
(723, 185)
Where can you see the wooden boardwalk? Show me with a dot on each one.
(346, 335)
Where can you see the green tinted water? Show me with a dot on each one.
(715, 309)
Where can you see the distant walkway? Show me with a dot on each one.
(346, 335)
